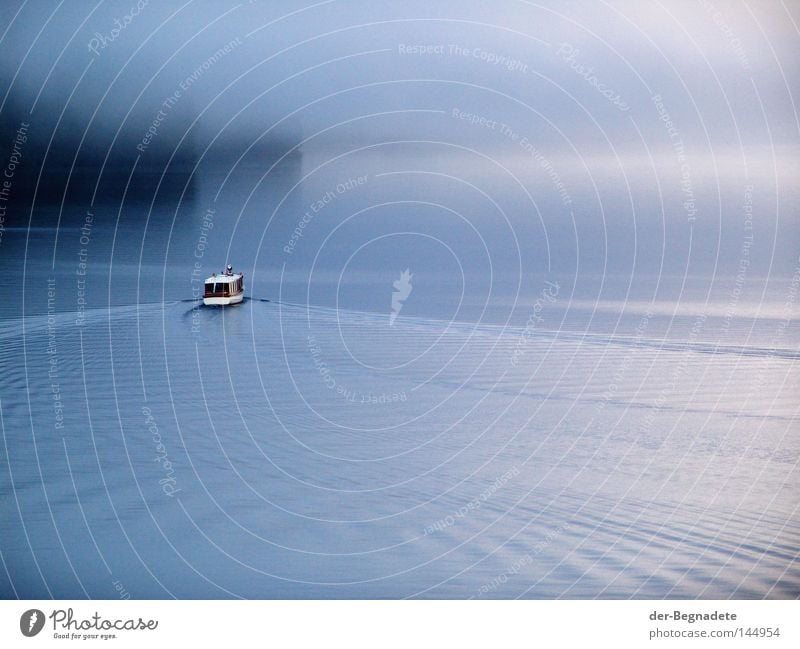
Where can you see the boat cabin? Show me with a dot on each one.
(225, 288)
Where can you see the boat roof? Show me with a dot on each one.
(222, 277)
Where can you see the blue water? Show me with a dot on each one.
(525, 427)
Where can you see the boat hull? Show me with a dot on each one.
(223, 301)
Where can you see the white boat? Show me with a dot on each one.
(225, 288)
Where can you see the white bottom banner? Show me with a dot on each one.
(387, 624)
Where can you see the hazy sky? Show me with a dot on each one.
(692, 100)
(727, 70)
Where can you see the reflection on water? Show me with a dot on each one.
(241, 460)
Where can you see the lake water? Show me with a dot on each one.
(546, 412)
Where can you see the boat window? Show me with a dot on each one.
(220, 288)
(209, 288)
